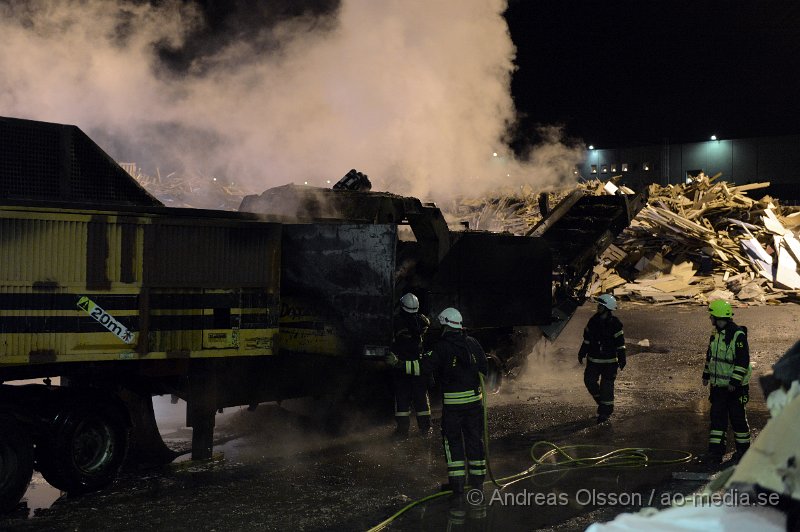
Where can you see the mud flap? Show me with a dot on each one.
(147, 449)
(201, 408)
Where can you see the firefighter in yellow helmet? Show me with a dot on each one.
(728, 371)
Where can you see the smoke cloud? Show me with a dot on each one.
(415, 94)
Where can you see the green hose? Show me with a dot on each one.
(558, 460)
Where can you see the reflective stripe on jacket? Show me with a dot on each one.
(604, 340)
(728, 362)
(462, 398)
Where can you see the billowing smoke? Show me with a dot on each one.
(415, 94)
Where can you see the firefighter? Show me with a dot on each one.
(604, 346)
(728, 371)
(457, 360)
(410, 327)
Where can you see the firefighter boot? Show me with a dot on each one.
(424, 424)
(712, 458)
(741, 448)
(476, 498)
(457, 504)
(401, 432)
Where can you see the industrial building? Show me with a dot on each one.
(741, 161)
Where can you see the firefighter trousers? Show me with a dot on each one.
(599, 380)
(411, 390)
(729, 405)
(462, 437)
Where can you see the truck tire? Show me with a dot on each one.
(85, 451)
(16, 464)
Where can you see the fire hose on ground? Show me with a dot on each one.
(556, 459)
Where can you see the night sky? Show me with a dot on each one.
(627, 73)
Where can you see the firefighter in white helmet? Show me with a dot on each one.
(410, 326)
(457, 360)
(604, 346)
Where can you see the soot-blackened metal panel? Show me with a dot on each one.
(496, 280)
(588, 224)
(55, 162)
(343, 276)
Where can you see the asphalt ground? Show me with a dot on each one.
(276, 470)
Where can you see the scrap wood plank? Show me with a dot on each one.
(786, 274)
(792, 220)
(680, 220)
(793, 244)
(772, 224)
(672, 285)
(676, 302)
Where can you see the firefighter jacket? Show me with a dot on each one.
(728, 357)
(409, 330)
(455, 360)
(604, 341)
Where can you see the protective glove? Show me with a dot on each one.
(391, 360)
(580, 360)
(705, 382)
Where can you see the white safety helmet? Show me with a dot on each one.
(450, 317)
(410, 303)
(608, 301)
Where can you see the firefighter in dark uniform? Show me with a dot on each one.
(728, 371)
(604, 346)
(410, 327)
(456, 360)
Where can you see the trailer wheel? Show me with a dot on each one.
(86, 450)
(16, 464)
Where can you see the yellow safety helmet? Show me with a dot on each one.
(719, 308)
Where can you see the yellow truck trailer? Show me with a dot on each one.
(123, 299)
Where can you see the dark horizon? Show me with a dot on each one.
(628, 74)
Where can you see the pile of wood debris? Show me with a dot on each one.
(693, 242)
(518, 211)
(189, 191)
(702, 241)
